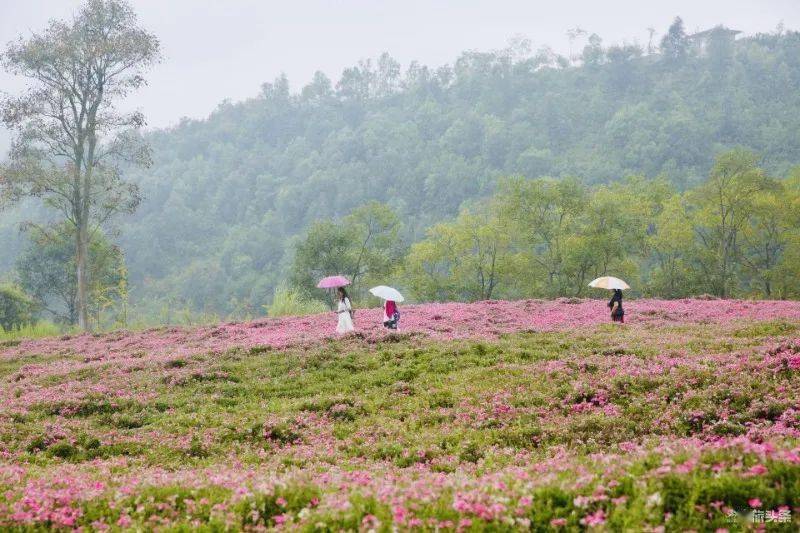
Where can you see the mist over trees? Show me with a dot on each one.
(70, 139)
(231, 201)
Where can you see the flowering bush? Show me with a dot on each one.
(507, 415)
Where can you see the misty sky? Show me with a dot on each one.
(216, 49)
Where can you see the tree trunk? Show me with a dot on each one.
(83, 222)
(81, 263)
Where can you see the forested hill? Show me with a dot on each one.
(227, 194)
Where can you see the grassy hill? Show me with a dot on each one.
(486, 416)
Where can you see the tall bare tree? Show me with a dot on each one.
(70, 138)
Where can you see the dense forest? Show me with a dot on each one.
(231, 197)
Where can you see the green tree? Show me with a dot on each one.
(611, 236)
(593, 53)
(46, 270)
(722, 209)
(467, 259)
(17, 309)
(777, 229)
(231, 194)
(675, 44)
(364, 246)
(774, 223)
(673, 247)
(290, 301)
(70, 138)
(545, 214)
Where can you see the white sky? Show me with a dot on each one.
(221, 49)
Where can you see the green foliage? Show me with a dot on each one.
(46, 269)
(675, 44)
(291, 301)
(17, 309)
(736, 234)
(467, 259)
(724, 206)
(672, 246)
(363, 246)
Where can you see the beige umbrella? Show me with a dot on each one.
(387, 293)
(609, 282)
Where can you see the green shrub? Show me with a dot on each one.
(470, 453)
(290, 301)
(442, 398)
(37, 444)
(64, 450)
(17, 309)
(196, 448)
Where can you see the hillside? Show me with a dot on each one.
(499, 415)
(227, 195)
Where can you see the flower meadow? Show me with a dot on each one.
(528, 415)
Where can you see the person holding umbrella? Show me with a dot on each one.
(345, 311)
(615, 304)
(342, 305)
(391, 315)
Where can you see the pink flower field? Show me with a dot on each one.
(487, 416)
(445, 321)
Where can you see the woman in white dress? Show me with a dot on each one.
(344, 311)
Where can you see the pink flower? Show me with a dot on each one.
(558, 522)
(281, 502)
(399, 513)
(757, 470)
(597, 518)
(754, 502)
(281, 519)
(124, 521)
(581, 501)
(370, 522)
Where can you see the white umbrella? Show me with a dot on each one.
(387, 293)
(609, 282)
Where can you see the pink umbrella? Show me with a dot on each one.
(331, 282)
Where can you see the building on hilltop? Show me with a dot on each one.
(701, 40)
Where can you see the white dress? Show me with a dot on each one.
(345, 321)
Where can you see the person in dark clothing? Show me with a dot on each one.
(391, 315)
(615, 304)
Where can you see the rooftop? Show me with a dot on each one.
(706, 33)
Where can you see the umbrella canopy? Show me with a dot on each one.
(332, 282)
(387, 293)
(609, 282)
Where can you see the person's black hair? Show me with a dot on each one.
(343, 293)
